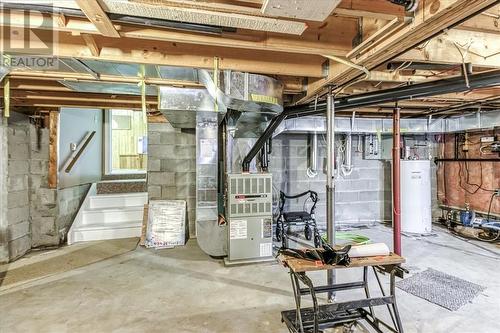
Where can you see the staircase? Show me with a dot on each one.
(109, 215)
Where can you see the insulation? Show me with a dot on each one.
(300, 9)
(206, 17)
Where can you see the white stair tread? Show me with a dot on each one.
(114, 209)
(137, 180)
(114, 226)
(114, 195)
(117, 201)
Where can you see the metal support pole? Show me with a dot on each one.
(396, 181)
(330, 184)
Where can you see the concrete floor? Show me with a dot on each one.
(182, 290)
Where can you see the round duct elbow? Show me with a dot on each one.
(410, 5)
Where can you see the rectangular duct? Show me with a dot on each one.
(181, 105)
(474, 121)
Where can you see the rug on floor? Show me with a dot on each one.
(86, 254)
(440, 288)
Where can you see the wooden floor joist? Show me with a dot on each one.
(429, 21)
(183, 55)
(336, 38)
(98, 17)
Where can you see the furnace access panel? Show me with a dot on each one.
(250, 217)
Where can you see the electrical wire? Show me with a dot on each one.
(352, 65)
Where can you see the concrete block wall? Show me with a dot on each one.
(18, 206)
(4, 246)
(363, 198)
(69, 201)
(172, 166)
(43, 205)
(31, 214)
(52, 210)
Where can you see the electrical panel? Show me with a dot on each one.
(250, 217)
(377, 147)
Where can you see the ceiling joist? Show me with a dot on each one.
(429, 21)
(95, 13)
(340, 32)
(177, 54)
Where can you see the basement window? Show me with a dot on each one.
(126, 142)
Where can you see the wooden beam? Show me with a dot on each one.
(378, 9)
(28, 84)
(485, 22)
(177, 54)
(35, 78)
(53, 149)
(430, 19)
(375, 38)
(80, 96)
(92, 45)
(334, 37)
(98, 17)
(480, 49)
(380, 76)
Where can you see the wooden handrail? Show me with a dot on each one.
(74, 158)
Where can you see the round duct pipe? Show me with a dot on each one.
(410, 5)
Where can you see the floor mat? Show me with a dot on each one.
(440, 288)
(90, 253)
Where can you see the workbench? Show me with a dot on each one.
(319, 317)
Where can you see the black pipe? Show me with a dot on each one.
(144, 21)
(426, 89)
(264, 158)
(139, 20)
(273, 124)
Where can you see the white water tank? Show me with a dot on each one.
(416, 211)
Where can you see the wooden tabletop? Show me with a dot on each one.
(302, 265)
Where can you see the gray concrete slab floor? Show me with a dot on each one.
(183, 290)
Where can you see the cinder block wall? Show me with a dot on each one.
(31, 214)
(43, 202)
(52, 210)
(172, 166)
(18, 209)
(361, 198)
(4, 249)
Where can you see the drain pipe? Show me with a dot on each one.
(312, 170)
(396, 180)
(347, 167)
(330, 185)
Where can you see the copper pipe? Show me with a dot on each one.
(396, 181)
